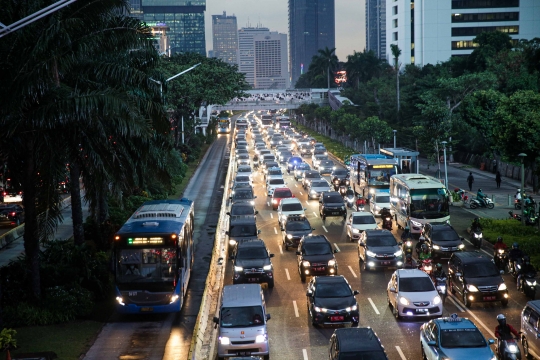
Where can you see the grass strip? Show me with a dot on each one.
(337, 149)
(192, 167)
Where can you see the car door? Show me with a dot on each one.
(372, 204)
(459, 282)
(349, 226)
(532, 331)
(432, 334)
(393, 284)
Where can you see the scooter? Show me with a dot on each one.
(387, 223)
(528, 285)
(407, 248)
(342, 190)
(501, 259)
(488, 203)
(531, 218)
(350, 201)
(508, 349)
(514, 266)
(440, 285)
(426, 266)
(476, 237)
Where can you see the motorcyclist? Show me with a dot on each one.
(385, 213)
(515, 253)
(350, 192)
(418, 247)
(480, 196)
(406, 234)
(409, 262)
(504, 331)
(425, 254)
(475, 226)
(439, 272)
(526, 268)
(360, 202)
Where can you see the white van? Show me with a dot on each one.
(242, 322)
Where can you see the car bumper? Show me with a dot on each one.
(334, 212)
(242, 347)
(331, 318)
(487, 296)
(242, 278)
(374, 263)
(415, 311)
(319, 270)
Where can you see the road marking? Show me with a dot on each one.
(324, 227)
(301, 193)
(304, 352)
(490, 254)
(352, 271)
(295, 309)
(455, 303)
(267, 203)
(271, 215)
(400, 353)
(477, 319)
(374, 307)
(280, 249)
(287, 273)
(337, 247)
(307, 202)
(275, 230)
(296, 185)
(314, 213)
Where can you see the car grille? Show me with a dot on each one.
(243, 342)
(488, 288)
(385, 256)
(254, 271)
(318, 264)
(449, 248)
(421, 303)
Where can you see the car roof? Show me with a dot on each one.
(252, 243)
(330, 279)
(411, 273)
(281, 189)
(441, 226)
(289, 200)
(454, 322)
(362, 213)
(315, 239)
(472, 256)
(351, 339)
(240, 295)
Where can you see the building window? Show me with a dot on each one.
(395, 36)
(479, 17)
(395, 22)
(475, 4)
(394, 10)
(473, 31)
(464, 45)
(412, 60)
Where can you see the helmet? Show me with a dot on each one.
(421, 239)
(439, 267)
(407, 228)
(479, 189)
(501, 319)
(424, 248)
(500, 239)
(515, 245)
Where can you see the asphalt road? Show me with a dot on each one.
(290, 332)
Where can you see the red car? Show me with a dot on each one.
(280, 193)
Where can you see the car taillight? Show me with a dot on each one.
(13, 213)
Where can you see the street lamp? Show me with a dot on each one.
(445, 172)
(169, 79)
(395, 131)
(522, 158)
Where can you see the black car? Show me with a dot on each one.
(293, 162)
(379, 249)
(242, 228)
(340, 177)
(356, 343)
(315, 256)
(476, 278)
(293, 229)
(11, 214)
(331, 301)
(331, 204)
(242, 208)
(442, 239)
(243, 194)
(251, 263)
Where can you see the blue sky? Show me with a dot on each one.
(273, 14)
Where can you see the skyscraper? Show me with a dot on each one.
(225, 38)
(376, 27)
(185, 18)
(312, 26)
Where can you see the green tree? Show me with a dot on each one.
(375, 130)
(363, 66)
(396, 52)
(489, 44)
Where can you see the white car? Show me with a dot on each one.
(289, 206)
(316, 160)
(245, 170)
(274, 173)
(358, 222)
(273, 184)
(378, 201)
(411, 293)
(317, 187)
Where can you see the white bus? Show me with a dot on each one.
(418, 199)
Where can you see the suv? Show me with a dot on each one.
(251, 263)
(530, 328)
(443, 239)
(379, 248)
(352, 343)
(289, 206)
(316, 257)
(308, 176)
(294, 228)
(242, 228)
(243, 195)
(476, 278)
(331, 204)
(326, 166)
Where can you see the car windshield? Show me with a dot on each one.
(415, 284)
(333, 198)
(327, 163)
(303, 166)
(298, 226)
(312, 175)
(242, 210)
(462, 338)
(244, 169)
(446, 235)
(340, 172)
(375, 241)
(276, 181)
(363, 220)
(274, 172)
(383, 199)
(283, 194)
(483, 269)
(243, 195)
(292, 207)
(321, 157)
(381, 176)
(243, 230)
(269, 157)
(244, 316)
(243, 156)
(146, 265)
(251, 253)
(319, 184)
(362, 355)
(332, 290)
(317, 249)
(429, 203)
(242, 178)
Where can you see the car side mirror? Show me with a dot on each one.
(254, 197)
(256, 212)
(462, 238)
(312, 228)
(491, 341)
(458, 274)
(226, 233)
(336, 251)
(271, 255)
(228, 213)
(268, 317)
(432, 343)
(356, 292)
(308, 293)
(501, 272)
(258, 231)
(298, 253)
(216, 319)
(362, 244)
(392, 289)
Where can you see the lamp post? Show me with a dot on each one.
(522, 158)
(169, 79)
(445, 172)
(395, 131)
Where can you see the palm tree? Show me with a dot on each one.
(330, 59)
(363, 66)
(396, 52)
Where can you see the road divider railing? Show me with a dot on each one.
(204, 339)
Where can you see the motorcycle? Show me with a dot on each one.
(387, 223)
(360, 207)
(501, 259)
(426, 266)
(531, 218)
(350, 201)
(508, 349)
(407, 247)
(461, 194)
(528, 285)
(514, 265)
(440, 285)
(342, 190)
(517, 204)
(488, 203)
(476, 237)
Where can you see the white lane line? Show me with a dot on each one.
(301, 193)
(478, 320)
(280, 249)
(271, 215)
(296, 185)
(287, 273)
(400, 353)
(325, 229)
(267, 203)
(304, 352)
(337, 247)
(314, 213)
(352, 271)
(451, 298)
(295, 309)
(307, 202)
(275, 230)
(374, 307)
(490, 254)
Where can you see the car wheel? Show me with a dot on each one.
(266, 357)
(364, 266)
(303, 277)
(323, 217)
(271, 284)
(466, 301)
(423, 353)
(286, 246)
(395, 312)
(354, 324)
(451, 286)
(525, 348)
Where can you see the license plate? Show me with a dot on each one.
(335, 212)
(147, 309)
(421, 310)
(244, 353)
(385, 262)
(320, 268)
(252, 279)
(337, 318)
(489, 298)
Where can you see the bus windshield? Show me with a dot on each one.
(380, 176)
(429, 203)
(145, 265)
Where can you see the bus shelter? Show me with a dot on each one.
(407, 158)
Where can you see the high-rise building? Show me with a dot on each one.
(428, 32)
(376, 27)
(185, 19)
(263, 58)
(225, 38)
(312, 26)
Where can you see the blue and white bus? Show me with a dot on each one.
(224, 125)
(371, 172)
(153, 257)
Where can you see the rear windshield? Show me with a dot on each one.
(362, 220)
(298, 225)
(416, 284)
(283, 194)
(292, 207)
(276, 181)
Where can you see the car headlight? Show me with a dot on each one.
(260, 338)
(252, 202)
(343, 208)
(372, 191)
(174, 298)
(436, 247)
(398, 253)
(351, 308)
(403, 301)
(120, 300)
(289, 236)
(461, 246)
(356, 231)
(274, 201)
(238, 268)
(306, 264)
(331, 262)
(436, 300)
(472, 288)
(232, 242)
(503, 286)
(318, 309)
(325, 153)
(267, 267)
(223, 340)
(416, 223)
(377, 207)
(370, 253)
